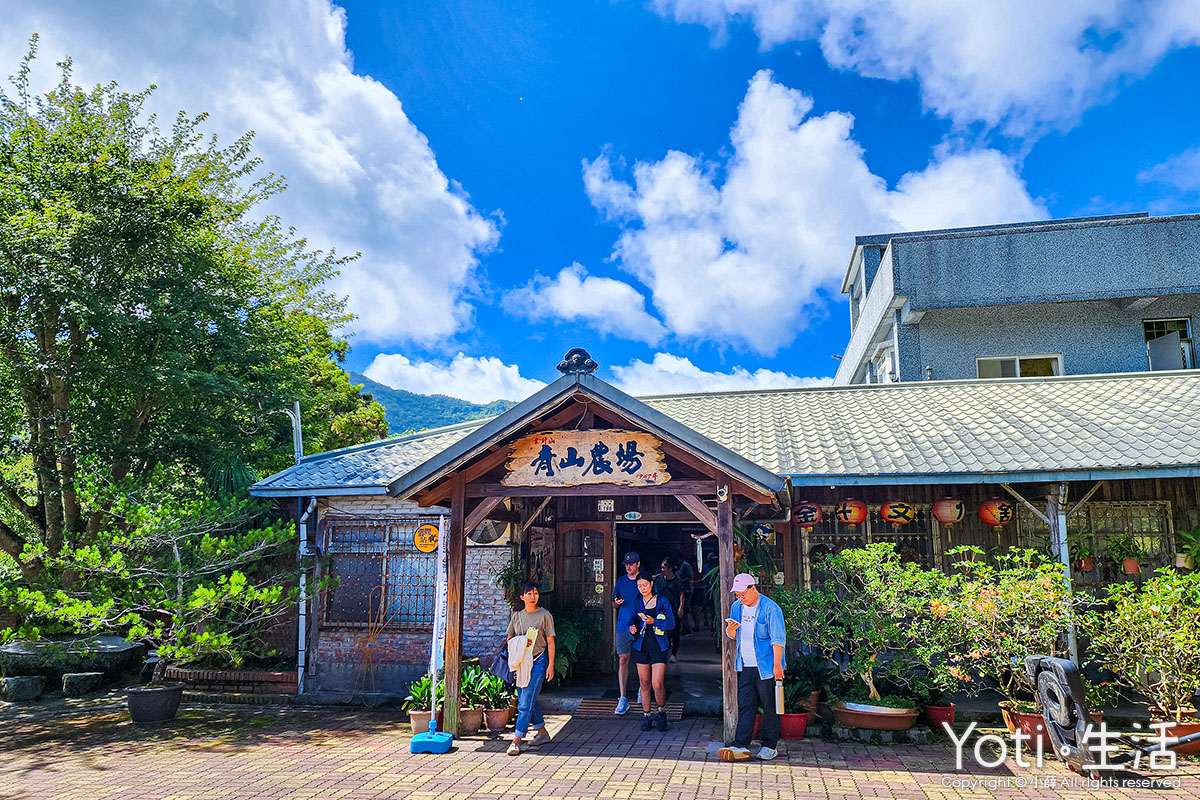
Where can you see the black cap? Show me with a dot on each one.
(632, 558)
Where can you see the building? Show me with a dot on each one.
(582, 471)
(1061, 297)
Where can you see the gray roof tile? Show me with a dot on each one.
(939, 429)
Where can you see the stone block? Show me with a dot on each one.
(77, 684)
(841, 731)
(885, 737)
(22, 689)
(918, 735)
(865, 735)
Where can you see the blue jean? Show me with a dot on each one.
(529, 707)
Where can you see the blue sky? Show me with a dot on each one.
(674, 185)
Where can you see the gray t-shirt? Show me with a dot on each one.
(541, 619)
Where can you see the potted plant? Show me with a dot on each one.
(196, 579)
(1124, 549)
(474, 698)
(806, 678)
(509, 578)
(931, 689)
(1187, 548)
(1000, 610)
(1146, 636)
(1082, 553)
(419, 703)
(1098, 695)
(497, 696)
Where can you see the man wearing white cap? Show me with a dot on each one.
(756, 623)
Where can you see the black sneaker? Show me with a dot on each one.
(663, 724)
(647, 722)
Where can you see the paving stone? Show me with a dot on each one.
(22, 689)
(77, 684)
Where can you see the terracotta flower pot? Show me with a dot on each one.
(1180, 729)
(876, 718)
(936, 715)
(496, 719)
(1034, 726)
(1184, 561)
(470, 720)
(419, 720)
(1085, 564)
(1006, 713)
(1131, 566)
(1097, 717)
(792, 726)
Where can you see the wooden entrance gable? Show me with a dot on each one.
(474, 477)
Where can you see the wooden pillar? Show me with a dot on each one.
(728, 646)
(785, 531)
(456, 575)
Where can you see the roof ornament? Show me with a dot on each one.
(577, 361)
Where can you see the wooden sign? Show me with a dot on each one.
(578, 458)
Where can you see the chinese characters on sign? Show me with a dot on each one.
(574, 458)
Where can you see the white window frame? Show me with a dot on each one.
(1017, 358)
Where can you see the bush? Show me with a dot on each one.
(418, 697)
(575, 631)
(1149, 637)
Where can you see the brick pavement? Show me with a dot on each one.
(248, 754)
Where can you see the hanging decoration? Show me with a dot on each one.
(949, 511)
(997, 513)
(850, 512)
(806, 514)
(898, 513)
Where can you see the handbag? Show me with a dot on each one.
(500, 667)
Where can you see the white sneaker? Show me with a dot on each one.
(514, 748)
(538, 740)
(672, 659)
(733, 753)
(622, 706)
(767, 753)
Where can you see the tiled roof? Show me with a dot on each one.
(936, 431)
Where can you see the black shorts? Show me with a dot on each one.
(651, 652)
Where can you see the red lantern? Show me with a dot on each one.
(897, 513)
(806, 514)
(997, 513)
(949, 511)
(850, 512)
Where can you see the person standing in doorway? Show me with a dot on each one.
(756, 623)
(624, 596)
(536, 625)
(684, 570)
(669, 586)
(655, 619)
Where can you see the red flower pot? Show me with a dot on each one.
(1034, 726)
(1086, 564)
(936, 715)
(792, 726)
(1131, 566)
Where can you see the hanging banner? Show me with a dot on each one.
(579, 458)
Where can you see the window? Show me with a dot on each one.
(884, 366)
(383, 581)
(1148, 521)
(1157, 328)
(1033, 366)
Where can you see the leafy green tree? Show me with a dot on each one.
(199, 579)
(146, 317)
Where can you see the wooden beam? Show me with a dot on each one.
(729, 678)
(480, 513)
(456, 575)
(527, 523)
(1026, 503)
(1085, 498)
(436, 494)
(589, 490)
(737, 487)
(689, 460)
(784, 530)
(699, 510)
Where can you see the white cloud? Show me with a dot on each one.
(740, 260)
(1019, 63)
(360, 174)
(607, 305)
(667, 373)
(1181, 171)
(479, 380)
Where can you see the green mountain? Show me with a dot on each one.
(409, 411)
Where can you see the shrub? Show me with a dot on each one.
(1149, 637)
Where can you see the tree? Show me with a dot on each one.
(146, 318)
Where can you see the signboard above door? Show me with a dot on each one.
(579, 458)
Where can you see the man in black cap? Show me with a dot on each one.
(625, 595)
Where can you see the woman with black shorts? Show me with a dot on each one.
(650, 648)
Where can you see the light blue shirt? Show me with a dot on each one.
(768, 631)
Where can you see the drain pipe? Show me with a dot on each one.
(302, 527)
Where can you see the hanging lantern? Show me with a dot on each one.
(806, 514)
(949, 511)
(850, 512)
(997, 513)
(897, 513)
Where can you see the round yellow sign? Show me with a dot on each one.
(426, 538)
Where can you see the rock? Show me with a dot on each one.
(77, 684)
(918, 735)
(22, 689)
(885, 737)
(865, 734)
(841, 731)
(55, 657)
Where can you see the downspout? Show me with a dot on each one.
(302, 528)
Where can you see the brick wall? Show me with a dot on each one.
(337, 657)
